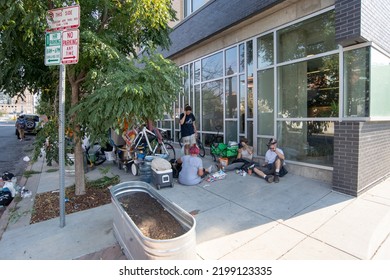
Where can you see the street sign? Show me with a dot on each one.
(70, 46)
(63, 18)
(53, 48)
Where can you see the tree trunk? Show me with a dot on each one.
(78, 150)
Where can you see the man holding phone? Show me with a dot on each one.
(272, 169)
(187, 128)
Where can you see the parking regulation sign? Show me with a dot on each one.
(70, 46)
(63, 18)
(53, 48)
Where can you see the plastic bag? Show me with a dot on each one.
(160, 164)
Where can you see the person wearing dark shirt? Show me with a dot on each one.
(188, 128)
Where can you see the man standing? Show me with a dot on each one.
(188, 128)
(20, 126)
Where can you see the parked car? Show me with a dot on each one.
(32, 121)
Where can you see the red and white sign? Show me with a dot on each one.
(70, 46)
(63, 18)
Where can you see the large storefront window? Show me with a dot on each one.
(357, 82)
(289, 77)
(309, 89)
(310, 37)
(307, 141)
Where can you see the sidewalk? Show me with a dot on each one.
(238, 218)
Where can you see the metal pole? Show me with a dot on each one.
(61, 142)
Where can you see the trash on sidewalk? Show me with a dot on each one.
(26, 159)
(24, 193)
(219, 175)
(7, 189)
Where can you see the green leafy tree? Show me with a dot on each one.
(111, 34)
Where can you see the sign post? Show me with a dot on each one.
(62, 47)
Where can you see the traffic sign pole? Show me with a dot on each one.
(62, 47)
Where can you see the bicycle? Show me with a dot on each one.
(202, 151)
(215, 144)
(95, 155)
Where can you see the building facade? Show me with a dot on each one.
(315, 74)
(17, 105)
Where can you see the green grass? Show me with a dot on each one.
(52, 170)
(29, 173)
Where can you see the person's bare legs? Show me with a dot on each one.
(278, 165)
(268, 178)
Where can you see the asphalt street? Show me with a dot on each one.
(12, 150)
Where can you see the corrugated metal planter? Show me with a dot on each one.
(140, 247)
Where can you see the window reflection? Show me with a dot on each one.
(307, 141)
(212, 67)
(310, 37)
(212, 105)
(265, 50)
(356, 82)
(309, 88)
(231, 61)
(231, 97)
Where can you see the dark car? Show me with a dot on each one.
(31, 123)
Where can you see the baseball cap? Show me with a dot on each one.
(272, 141)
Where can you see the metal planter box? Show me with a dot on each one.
(135, 244)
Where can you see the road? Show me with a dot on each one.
(12, 150)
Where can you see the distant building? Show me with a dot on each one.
(314, 74)
(18, 105)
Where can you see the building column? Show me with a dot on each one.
(361, 155)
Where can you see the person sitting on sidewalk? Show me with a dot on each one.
(273, 168)
(243, 159)
(192, 171)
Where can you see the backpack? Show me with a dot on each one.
(176, 168)
(21, 124)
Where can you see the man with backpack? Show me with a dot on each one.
(20, 126)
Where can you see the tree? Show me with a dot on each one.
(111, 33)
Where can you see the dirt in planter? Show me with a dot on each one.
(150, 217)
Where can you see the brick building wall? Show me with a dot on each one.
(359, 21)
(361, 155)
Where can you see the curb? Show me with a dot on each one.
(13, 206)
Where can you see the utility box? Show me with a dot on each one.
(162, 178)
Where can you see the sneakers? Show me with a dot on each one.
(269, 178)
(276, 178)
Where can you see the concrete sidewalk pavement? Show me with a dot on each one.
(237, 218)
